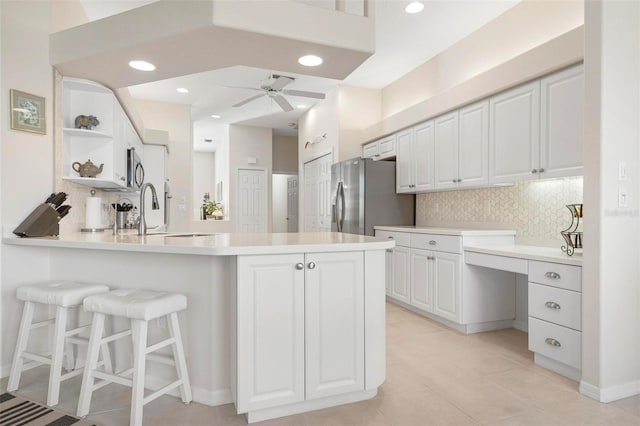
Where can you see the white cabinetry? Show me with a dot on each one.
(381, 149)
(473, 157)
(300, 328)
(514, 141)
(555, 316)
(105, 143)
(414, 159)
(446, 151)
(421, 280)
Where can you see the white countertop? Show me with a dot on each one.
(211, 245)
(444, 231)
(543, 254)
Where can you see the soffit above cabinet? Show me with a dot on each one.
(182, 38)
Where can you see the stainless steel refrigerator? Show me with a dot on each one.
(364, 195)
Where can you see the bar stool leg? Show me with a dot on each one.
(55, 371)
(21, 346)
(178, 356)
(86, 389)
(139, 331)
(70, 358)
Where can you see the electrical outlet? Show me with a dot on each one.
(623, 198)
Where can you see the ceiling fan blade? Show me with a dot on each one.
(305, 94)
(280, 82)
(243, 87)
(286, 106)
(246, 101)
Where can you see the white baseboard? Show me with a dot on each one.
(521, 325)
(612, 393)
(200, 395)
(558, 367)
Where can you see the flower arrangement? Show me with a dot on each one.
(211, 208)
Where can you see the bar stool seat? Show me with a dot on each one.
(139, 306)
(65, 295)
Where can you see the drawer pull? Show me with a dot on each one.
(390, 238)
(552, 275)
(389, 251)
(552, 305)
(553, 342)
(431, 258)
(432, 243)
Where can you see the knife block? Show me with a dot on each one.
(42, 222)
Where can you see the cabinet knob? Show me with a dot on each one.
(311, 265)
(431, 258)
(534, 171)
(299, 266)
(389, 251)
(432, 243)
(540, 170)
(455, 180)
(552, 305)
(552, 275)
(553, 342)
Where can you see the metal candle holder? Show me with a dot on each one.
(571, 235)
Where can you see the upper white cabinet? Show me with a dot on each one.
(446, 151)
(473, 143)
(381, 149)
(514, 138)
(105, 143)
(414, 158)
(562, 123)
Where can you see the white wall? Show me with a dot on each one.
(279, 202)
(611, 283)
(285, 154)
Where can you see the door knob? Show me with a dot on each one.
(311, 265)
(299, 266)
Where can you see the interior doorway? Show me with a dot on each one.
(284, 202)
(252, 200)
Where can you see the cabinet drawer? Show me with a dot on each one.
(448, 243)
(562, 307)
(556, 342)
(387, 147)
(401, 238)
(556, 275)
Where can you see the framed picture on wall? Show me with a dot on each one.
(28, 112)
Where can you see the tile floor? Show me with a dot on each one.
(435, 376)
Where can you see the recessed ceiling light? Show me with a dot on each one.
(310, 60)
(142, 65)
(215, 116)
(182, 90)
(301, 106)
(414, 7)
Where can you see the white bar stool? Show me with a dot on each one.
(64, 295)
(140, 306)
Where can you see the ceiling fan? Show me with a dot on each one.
(274, 88)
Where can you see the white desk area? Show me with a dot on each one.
(554, 299)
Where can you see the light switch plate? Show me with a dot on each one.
(623, 198)
(622, 171)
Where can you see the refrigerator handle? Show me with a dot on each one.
(335, 206)
(341, 187)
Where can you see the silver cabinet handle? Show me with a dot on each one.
(553, 342)
(432, 243)
(459, 180)
(311, 265)
(391, 238)
(389, 251)
(299, 266)
(552, 275)
(552, 305)
(540, 170)
(431, 258)
(377, 155)
(455, 180)
(534, 171)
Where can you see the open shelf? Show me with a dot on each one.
(98, 183)
(84, 132)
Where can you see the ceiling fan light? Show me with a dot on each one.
(216, 116)
(142, 65)
(310, 60)
(414, 7)
(182, 90)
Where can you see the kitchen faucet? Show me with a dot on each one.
(142, 224)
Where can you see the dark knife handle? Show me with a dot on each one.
(63, 210)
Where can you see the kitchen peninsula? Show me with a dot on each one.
(275, 322)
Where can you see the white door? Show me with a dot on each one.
(405, 175)
(446, 151)
(270, 331)
(446, 286)
(292, 204)
(317, 194)
(401, 273)
(252, 200)
(561, 123)
(473, 145)
(334, 323)
(514, 134)
(423, 151)
(421, 288)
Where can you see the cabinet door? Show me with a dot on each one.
(370, 150)
(405, 173)
(446, 151)
(421, 288)
(446, 286)
(473, 144)
(270, 331)
(423, 156)
(401, 274)
(387, 147)
(561, 123)
(334, 323)
(514, 145)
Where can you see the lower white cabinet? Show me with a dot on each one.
(421, 280)
(401, 275)
(446, 285)
(300, 328)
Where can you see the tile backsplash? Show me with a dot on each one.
(535, 209)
